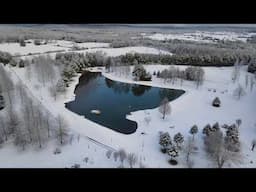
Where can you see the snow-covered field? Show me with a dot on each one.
(52, 47)
(30, 48)
(114, 52)
(194, 107)
(202, 36)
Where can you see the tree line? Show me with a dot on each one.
(29, 124)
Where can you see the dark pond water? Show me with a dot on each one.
(115, 100)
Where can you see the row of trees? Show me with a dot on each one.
(190, 73)
(189, 59)
(30, 123)
(73, 63)
(123, 156)
(170, 147)
(220, 148)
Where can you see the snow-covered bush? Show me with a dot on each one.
(57, 151)
(178, 139)
(76, 166)
(215, 127)
(207, 129)
(232, 139)
(193, 130)
(140, 73)
(21, 63)
(216, 102)
(252, 66)
(13, 63)
(108, 153)
(173, 152)
(37, 42)
(165, 141)
(5, 57)
(22, 43)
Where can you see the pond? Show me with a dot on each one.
(115, 100)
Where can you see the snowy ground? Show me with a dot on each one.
(194, 107)
(57, 46)
(123, 50)
(202, 36)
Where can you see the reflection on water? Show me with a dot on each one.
(115, 100)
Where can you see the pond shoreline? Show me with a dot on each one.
(123, 100)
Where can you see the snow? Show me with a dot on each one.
(193, 107)
(202, 36)
(91, 45)
(114, 52)
(16, 49)
(60, 46)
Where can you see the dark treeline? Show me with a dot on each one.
(195, 60)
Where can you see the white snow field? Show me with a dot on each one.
(202, 36)
(193, 107)
(114, 52)
(58, 46)
(30, 48)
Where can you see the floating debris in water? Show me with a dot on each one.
(97, 112)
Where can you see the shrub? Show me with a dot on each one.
(37, 42)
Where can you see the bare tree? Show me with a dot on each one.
(3, 127)
(236, 71)
(199, 76)
(217, 150)
(21, 90)
(238, 122)
(147, 119)
(164, 107)
(38, 119)
(53, 91)
(28, 71)
(62, 129)
(239, 92)
(108, 153)
(12, 122)
(48, 125)
(116, 155)
(44, 68)
(246, 80)
(132, 159)
(252, 83)
(189, 149)
(122, 155)
(7, 84)
(27, 110)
